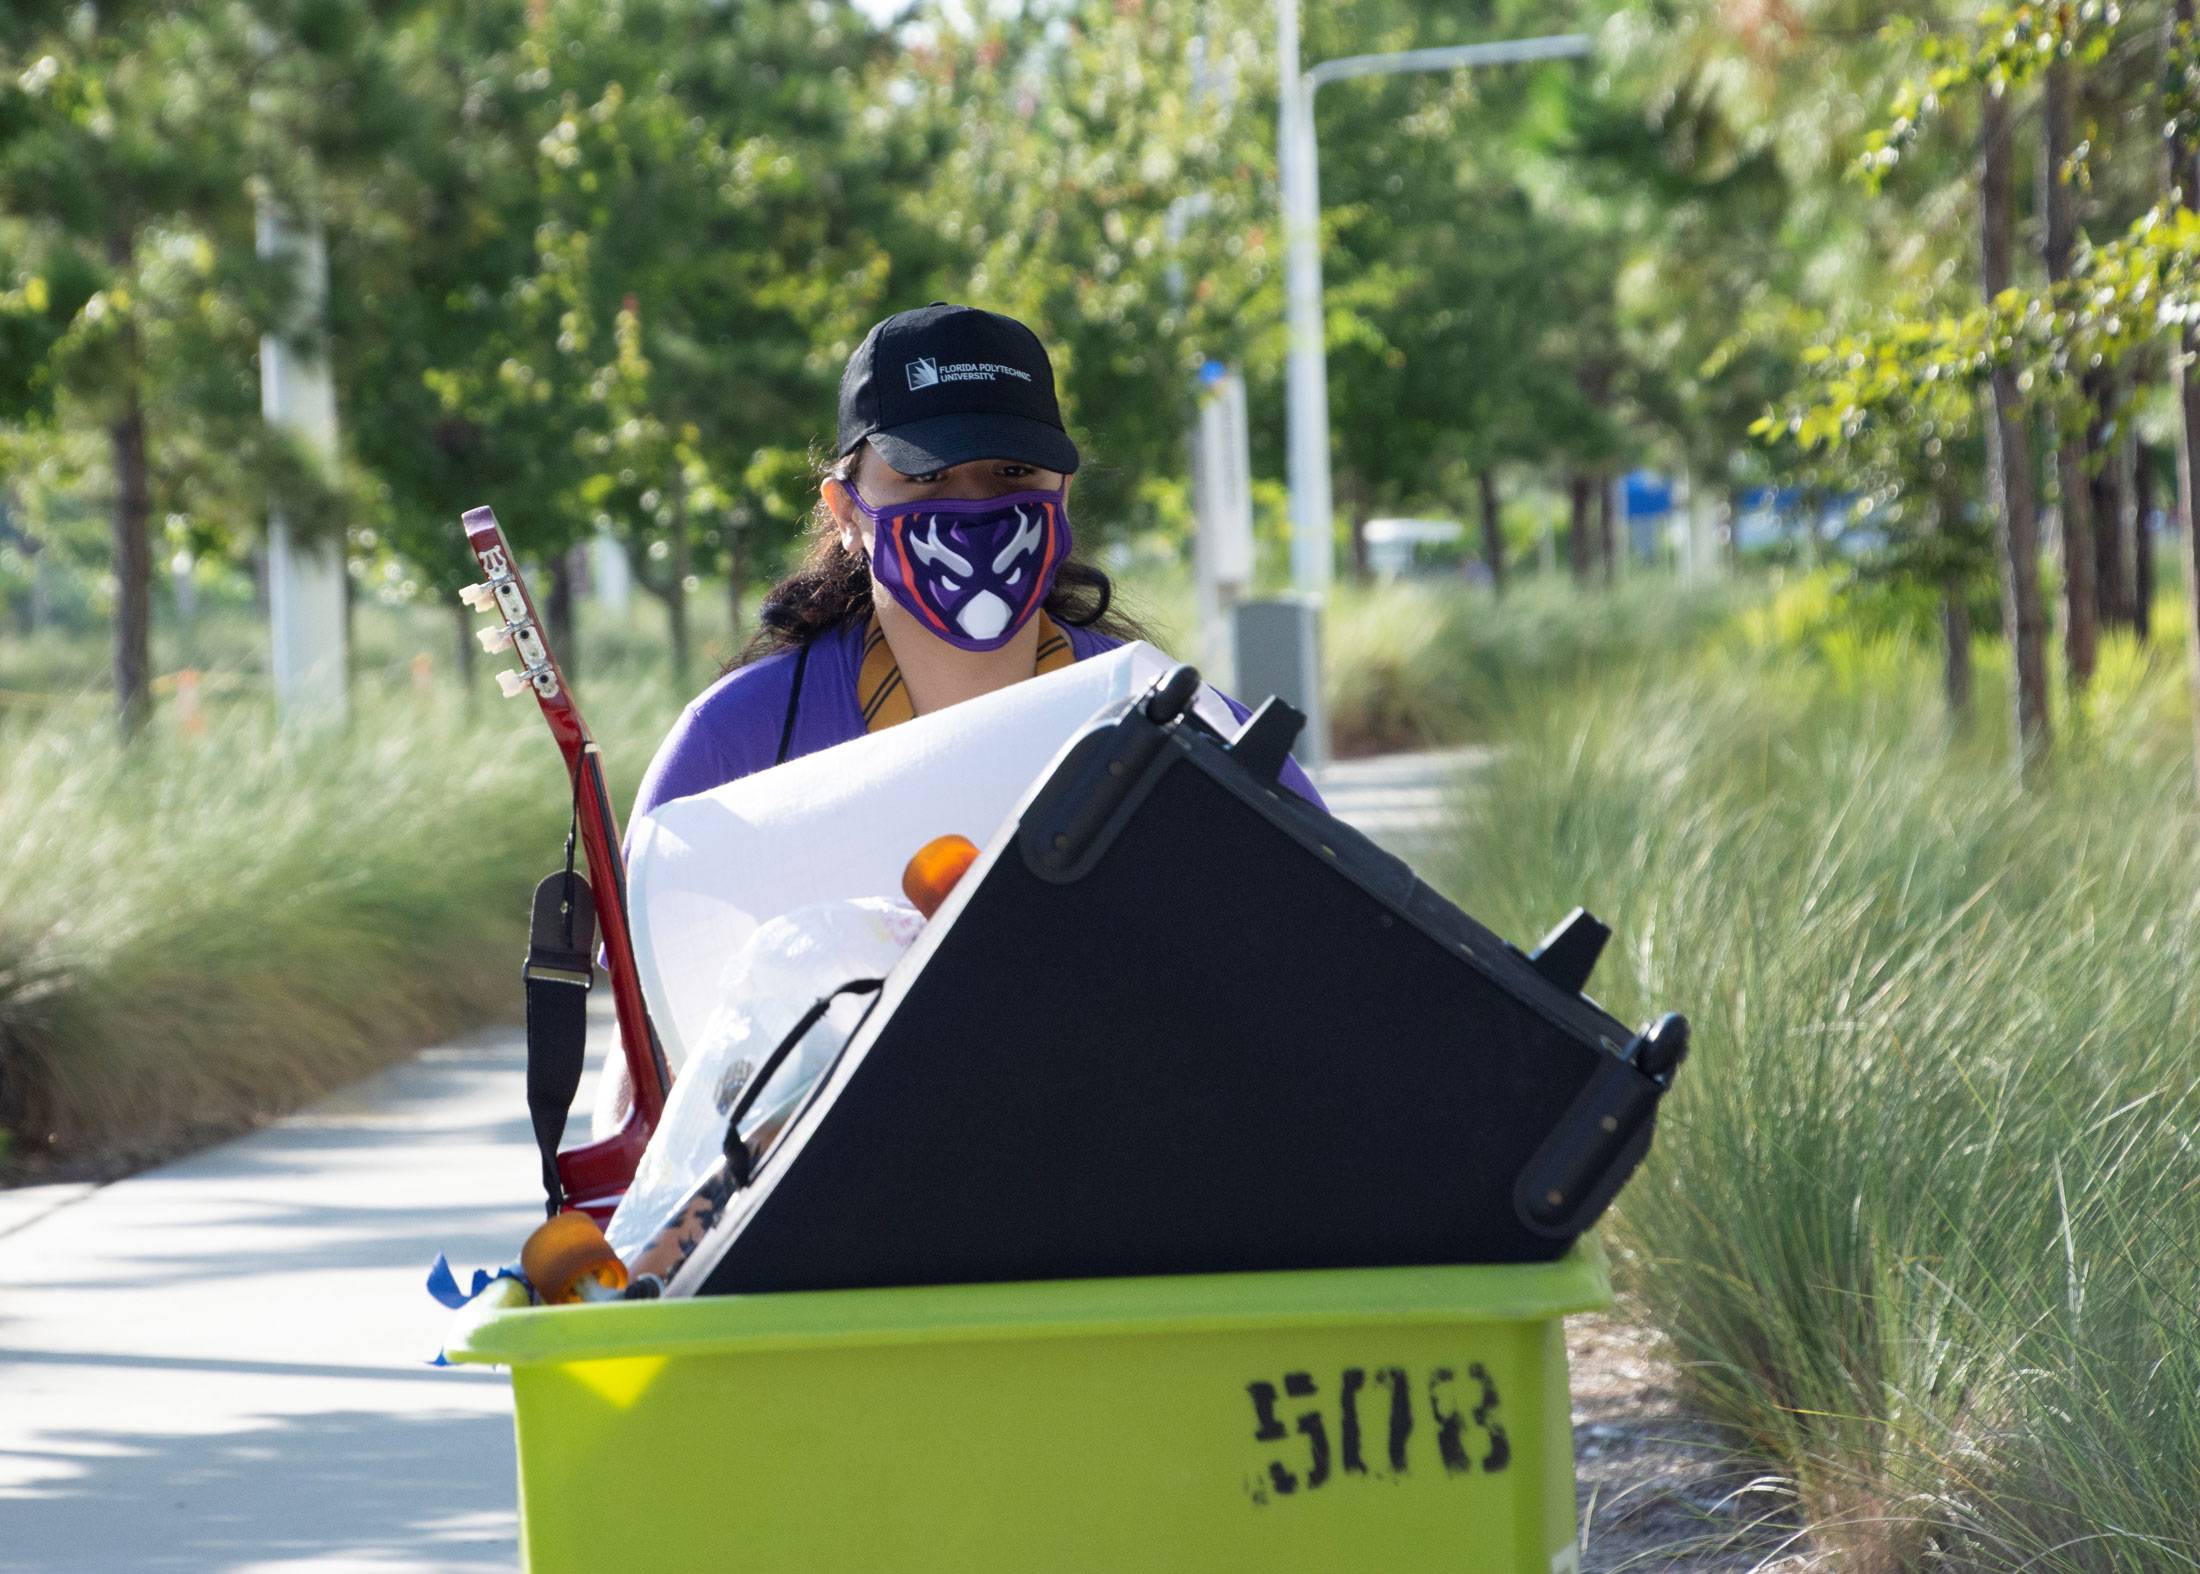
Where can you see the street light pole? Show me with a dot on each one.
(305, 579)
(1307, 373)
(1307, 380)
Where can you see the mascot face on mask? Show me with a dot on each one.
(971, 571)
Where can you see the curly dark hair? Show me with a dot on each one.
(832, 587)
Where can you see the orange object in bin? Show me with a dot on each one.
(933, 872)
(567, 1259)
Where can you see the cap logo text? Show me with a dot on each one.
(925, 372)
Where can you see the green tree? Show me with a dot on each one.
(133, 139)
(709, 189)
(108, 159)
(463, 370)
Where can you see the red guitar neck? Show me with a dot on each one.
(503, 594)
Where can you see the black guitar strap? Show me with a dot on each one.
(561, 945)
(794, 700)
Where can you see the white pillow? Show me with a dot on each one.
(704, 871)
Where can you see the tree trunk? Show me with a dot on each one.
(1493, 529)
(563, 632)
(2184, 180)
(2081, 614)
(1355, 492)
(1955, 619)
(737, 588)
(676, 610)
(2081, 611)
(133, 563)
(2188, 453)
(2108, 436)
(1955, 673)
(2009, 454)
(1607, 528)
(2110, 499)
(2142, 542)
(133, 545)
(1578, 550)
(671, 589)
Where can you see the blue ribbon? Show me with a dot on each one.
(443, 1285)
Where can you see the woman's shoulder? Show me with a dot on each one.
(749, 704)
(1088, 642)
(732, 728)
(753, 685)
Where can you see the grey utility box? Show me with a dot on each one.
(1278, 648)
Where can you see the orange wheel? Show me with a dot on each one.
(567, 1259)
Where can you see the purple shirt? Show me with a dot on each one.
(732, 728)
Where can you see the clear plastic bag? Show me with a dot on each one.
(787, 964)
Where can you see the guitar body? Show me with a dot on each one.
(593, 1176)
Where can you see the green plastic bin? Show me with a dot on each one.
(1364, 1420)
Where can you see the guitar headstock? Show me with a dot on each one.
(503, 595)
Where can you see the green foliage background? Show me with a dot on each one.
(601, 263)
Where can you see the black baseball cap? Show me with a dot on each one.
(944, 384)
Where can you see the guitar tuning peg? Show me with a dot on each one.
(482, 598)
(494, 640)
(514, 684)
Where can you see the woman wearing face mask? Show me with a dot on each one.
(940, 568)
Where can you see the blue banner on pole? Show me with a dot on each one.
(1648, 493)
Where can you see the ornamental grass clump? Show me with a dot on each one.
(1383, 653)
(1922, 1218)
(205, 928)
(1423, 662)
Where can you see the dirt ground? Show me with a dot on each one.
(1659, 1492)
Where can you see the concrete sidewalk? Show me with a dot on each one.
(1399, 800)
(220, 1364)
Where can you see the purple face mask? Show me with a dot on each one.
(971, 570)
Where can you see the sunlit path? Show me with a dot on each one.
(1401, 800)
(220, 1364)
